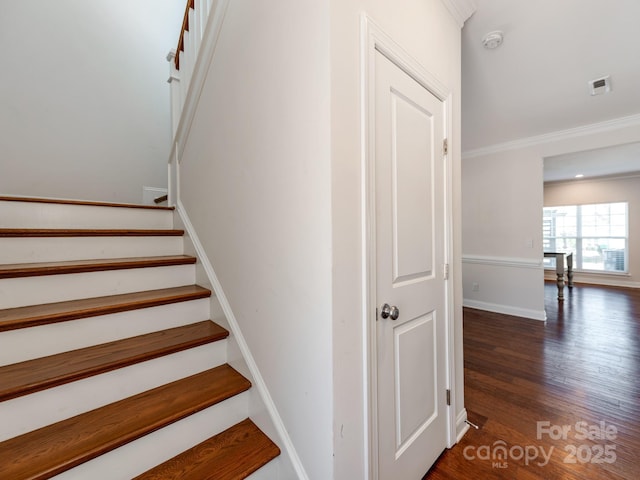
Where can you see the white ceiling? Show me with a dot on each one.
(621, 159)
(536, 82)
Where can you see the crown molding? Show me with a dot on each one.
(592, 129)
(461, 10)
(599, 178)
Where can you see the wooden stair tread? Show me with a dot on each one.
(50, 450)
(82, 266)
(34, 375)
(63, 201)
(231, 455)
(87, 232)
(22, 317)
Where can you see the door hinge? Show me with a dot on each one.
(446, 271)
(445, 146)
(448, 397)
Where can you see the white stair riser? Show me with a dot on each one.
(44, 340)
(54, 215)
(145, 453)
(60, 249)
(30, 412)
(19, 292)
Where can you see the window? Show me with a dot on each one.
(596, 234)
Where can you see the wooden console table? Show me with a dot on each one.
(559, 256)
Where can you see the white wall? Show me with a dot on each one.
(271, 178)
(621, 189)
(502, 233)
(84, 100)
(427, 31)
(508, 179)
(255, 181)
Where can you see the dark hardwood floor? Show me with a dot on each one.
(579, 371)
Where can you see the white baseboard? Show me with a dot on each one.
(505, 309)
(257, 380)
(462, 426)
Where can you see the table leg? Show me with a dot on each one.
(560, 286)
(560, 275)
(570, 270)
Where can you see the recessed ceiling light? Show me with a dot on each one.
(493, 39)
(580, 175)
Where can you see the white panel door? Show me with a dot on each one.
(410, 239)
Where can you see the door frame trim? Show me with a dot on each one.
(373, 39)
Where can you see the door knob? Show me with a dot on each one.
(390, 312)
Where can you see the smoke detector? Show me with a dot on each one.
(600, 86)
(493, 39)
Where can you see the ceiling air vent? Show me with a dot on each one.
(600, 86)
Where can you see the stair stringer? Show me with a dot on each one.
(262, 409)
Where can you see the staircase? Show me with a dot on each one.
(110, 367)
